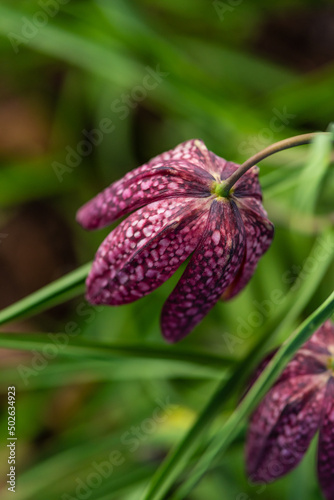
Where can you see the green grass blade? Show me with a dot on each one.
(311, 177)
(86, 349)
(60, 374)
(322, 254)
(69, 286)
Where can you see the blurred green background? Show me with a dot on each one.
(138, 78)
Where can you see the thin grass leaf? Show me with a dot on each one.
(311, 177)
(84, 349)
(321, 254)
(59, 291)
(60, 374)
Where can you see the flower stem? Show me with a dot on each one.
(291, 142)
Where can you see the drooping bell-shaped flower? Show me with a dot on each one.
(300, 403)
(180, 212)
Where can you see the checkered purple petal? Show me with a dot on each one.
(145, 250)
(259, 235)
(326, 444)
(283, 426)
(183, 171)
(209, 272)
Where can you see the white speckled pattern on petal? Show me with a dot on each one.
(179, 172)
(210, 271)
(282, 427)
(259, 235)
(145, 250)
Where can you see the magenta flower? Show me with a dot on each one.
(299, 404)
(182, 215)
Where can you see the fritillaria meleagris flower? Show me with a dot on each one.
(181, 214)
(299, 404)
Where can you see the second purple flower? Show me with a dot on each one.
(300, 403)
(181, 214)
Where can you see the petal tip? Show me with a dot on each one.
(85, 217)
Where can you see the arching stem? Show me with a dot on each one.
(291, 142)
